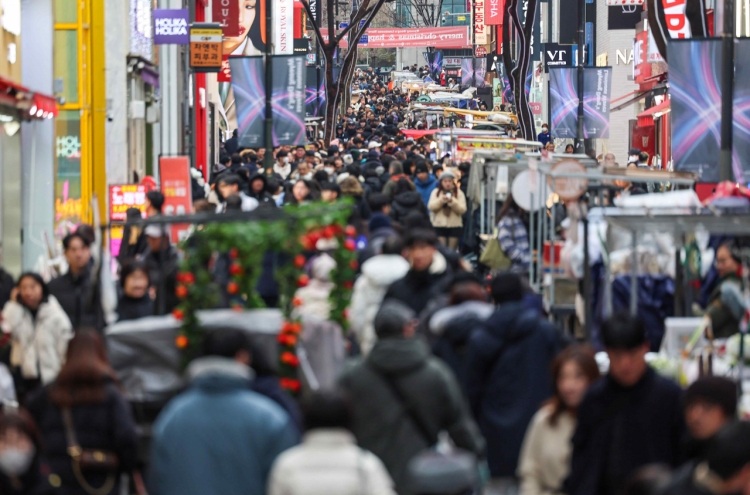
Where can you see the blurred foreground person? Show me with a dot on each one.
(508, 377)
(328, 462)
(710, 403)
(20, 450)
(162, 261)
(726, 469)
(218, 437)
(631, 418)
(545, 456)
(86, 424)
(403, 397)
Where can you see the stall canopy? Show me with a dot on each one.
(416, 134)
(28, 104)
(646, 118)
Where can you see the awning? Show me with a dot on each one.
(628, 100)
(416, 134)
(646, 118)
(28, 104)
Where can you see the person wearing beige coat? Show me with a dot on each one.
(447, 205)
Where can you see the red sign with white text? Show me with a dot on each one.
(674, 14)
(441, 37)
(123, 197)
(641, 66)
(227, 13)
(493, 12)
(174, 176)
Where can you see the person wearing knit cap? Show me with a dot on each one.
(710, 403)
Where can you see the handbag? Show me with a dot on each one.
(89, 460)
(493, 255)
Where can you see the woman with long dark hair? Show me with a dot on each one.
(448, 204)
(545, 455)
(513, 236)
(39, 332)
(83, 412)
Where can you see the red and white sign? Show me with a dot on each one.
(480, 29)
(174, 175)
(677, 23)
(536, 107)
(441, 37)
(283, 28)
(624, 2)
(227, 13)
(641, 66)
(480, 51)
(123, 197)
(493, 12)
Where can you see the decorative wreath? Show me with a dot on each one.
(228, 258)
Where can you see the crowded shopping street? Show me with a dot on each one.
(380, 247)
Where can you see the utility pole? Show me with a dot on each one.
(268, 157)
(727, 92)
(582, 55)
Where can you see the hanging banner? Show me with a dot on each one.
(641, 65)
(287, 100)
(676, 19)
(467, 73)
(597, 89)
(493, 12)
(439, 37)
(174, 176)
(480, 30)
(205, 47)
(122, 197)
(315, 92)
(226, 13)
(171, 26)
(480, 72)
(741, 114)
(563, 100)
(695, 91)
(283, 27)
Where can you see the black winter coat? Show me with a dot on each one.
(130, 308)
(32, 482)
(106, 426)
(162, 272)
(417, 288)
(622, 429)
(405, 203)
(74, 295)
(508, 378)
(6, 287)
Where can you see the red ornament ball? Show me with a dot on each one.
(328, 232)
(233, 288)
(350, 245)
(233, 253)
(181, 291)
(303, 280)
(235, 269)
(350, 231)
(188, 278)
(299, 261)
(178, 314)
(181, 342)
(348, 284)
(354, 264)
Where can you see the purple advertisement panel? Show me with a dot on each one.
(171, 26)
(695, 91)
(563, 99)
(597, 86)
(287, 99)
(741, 114)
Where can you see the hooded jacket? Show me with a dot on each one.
(263, 197)
(416, 289)
(405, 203)
(378, 273)
(380, 422)
(508, 379)
(218, 436)
(425, 188)
(390, 187)
(39, 343)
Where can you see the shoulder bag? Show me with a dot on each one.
(493, 255)
(89, 460)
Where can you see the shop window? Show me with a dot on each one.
(66, 11)
(68, 205)
(66, 63)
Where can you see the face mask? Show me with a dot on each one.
(329, 170)
(544, 129)
(14, 462)
(285, 160)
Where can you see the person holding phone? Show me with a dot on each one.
(447, 205)
(39, 331)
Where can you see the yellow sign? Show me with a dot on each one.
(205, 47)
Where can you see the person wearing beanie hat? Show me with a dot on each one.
(448, 204)
(710, 404)
(424, 181)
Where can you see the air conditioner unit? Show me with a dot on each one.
(137, 109)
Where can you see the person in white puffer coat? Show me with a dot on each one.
(39, 331)
(328, 461)
(378, 273)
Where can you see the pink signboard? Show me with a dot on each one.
(441, 37)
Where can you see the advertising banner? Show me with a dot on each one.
(480, 72)
(563, 99)
(467, 73)
(287, 99)
(440, 37)
(624, 16)
(283, 27)
(597, 88)
(205, 47)
(315, 92)
(171, 26)
(174, 175)
(493, 12)
(641, 65)
(695, 91)
(741, 114)
(226, 13)
(123, 197)
(556, 55)
(480, 30)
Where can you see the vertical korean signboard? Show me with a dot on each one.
(226, 13)
(174, 175)
(480, 29)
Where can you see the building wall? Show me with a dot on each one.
(117, 39)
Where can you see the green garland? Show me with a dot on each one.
(241, 246)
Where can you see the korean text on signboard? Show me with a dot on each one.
(174, 174)
(205, 47)
(123, 197)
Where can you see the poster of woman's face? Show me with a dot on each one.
(250, 40)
